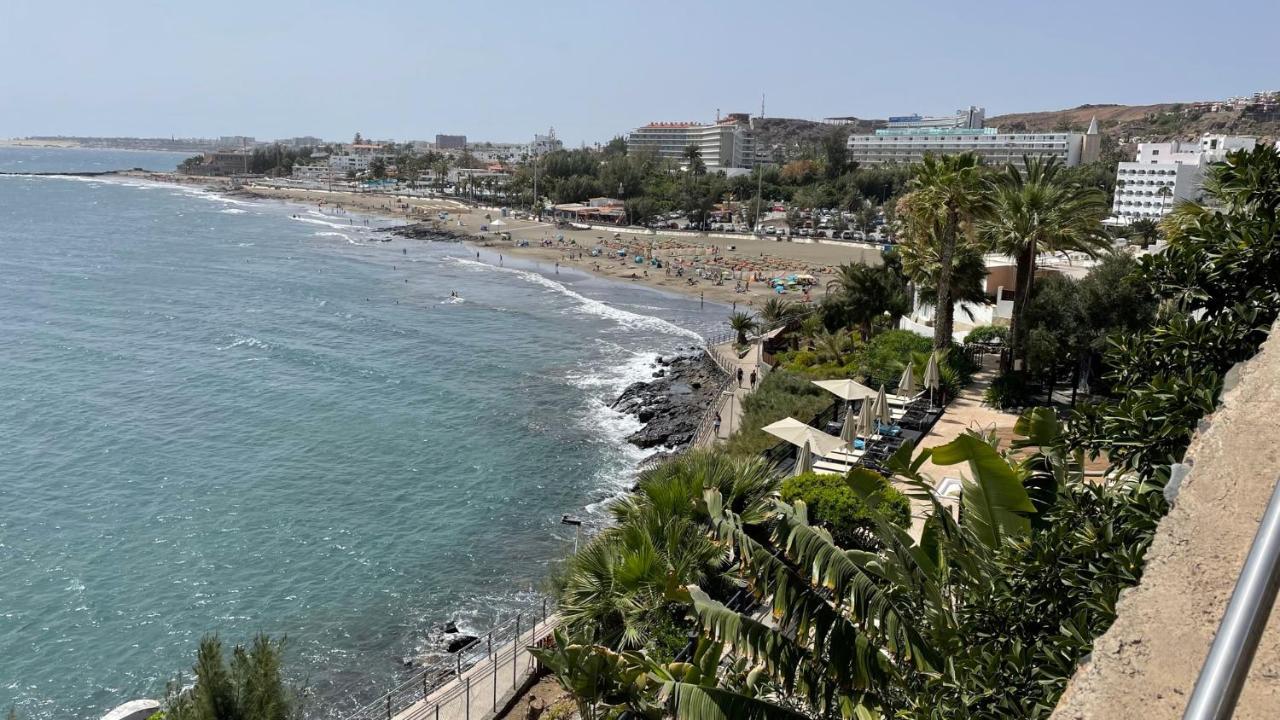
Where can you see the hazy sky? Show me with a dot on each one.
(503, 70)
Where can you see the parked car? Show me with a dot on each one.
(771, 230)
(847, 234)
(805, 232)
(820, 233)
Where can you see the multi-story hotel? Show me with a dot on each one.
(1166, 173)
(724, 145)
(974, 117)
(907, 145)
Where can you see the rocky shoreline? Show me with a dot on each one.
(672, 404)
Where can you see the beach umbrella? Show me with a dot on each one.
(907, 383)
(849, 430)
(798, 434)
(804, 461)
(880, 410)
(932, 379)
(846, 389)
(864, 425)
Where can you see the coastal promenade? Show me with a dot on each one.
(730, 402)
(498, 671)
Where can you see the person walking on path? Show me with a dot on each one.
(739, 377)
(753, 379)
(717, 425)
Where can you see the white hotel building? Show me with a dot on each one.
(725, 145)
(909, 145)
(1166, 173)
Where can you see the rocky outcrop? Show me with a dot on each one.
(671, 405)
(426, 231)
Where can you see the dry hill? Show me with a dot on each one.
(1165, 121)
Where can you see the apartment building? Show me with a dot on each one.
(1166, 173)
(910, 144)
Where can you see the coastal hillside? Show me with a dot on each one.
(1154, 123)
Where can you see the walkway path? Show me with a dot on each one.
(965, 412)
(730, 403)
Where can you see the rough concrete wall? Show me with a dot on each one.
(1146, 664)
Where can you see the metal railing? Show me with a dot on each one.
(1227, 665)
(475, 682)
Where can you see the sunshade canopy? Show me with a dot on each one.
(846, 389)
(931, 378)
(797, 433)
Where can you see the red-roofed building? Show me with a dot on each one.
(725, 144)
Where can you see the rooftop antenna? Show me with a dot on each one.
(717, 114)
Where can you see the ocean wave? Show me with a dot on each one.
(247, 342)
(326, 223)
(344, 236)
(591, 306)
(232, 211)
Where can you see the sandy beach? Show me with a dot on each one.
(686, 258)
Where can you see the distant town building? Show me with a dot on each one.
(236, 141)
(909, 145)
(724, 145)
(451, 142)
(313, 172)
(1166, 173)
(971, 118)
(302, 141)
(356, 162)
(543, 144)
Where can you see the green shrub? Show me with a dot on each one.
(988, 333)
(882, 359)
(1007, 391)
(833, 504)
(780, 394)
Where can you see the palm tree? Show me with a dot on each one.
(742, 323)
(945, 198)
(1035, 210)
(851, 629)
(860, 294)
(614, 592)
(777, 312)
(1146, 230)
(1164, 194)
(693, 158)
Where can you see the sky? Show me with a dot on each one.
(502, 70)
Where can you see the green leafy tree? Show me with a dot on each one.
(378, 168)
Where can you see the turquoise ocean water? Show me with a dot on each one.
(232, 416)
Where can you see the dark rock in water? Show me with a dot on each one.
(660, 373)
(426, 231)
(450, 628)
(460, 642)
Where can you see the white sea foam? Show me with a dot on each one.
(232, 211)
(326, 223)
(247, 342)
(344, 236)
(590, 306)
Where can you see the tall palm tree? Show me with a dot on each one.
(945, 197)
(742, 323)
(1033, 210)
(693, 156)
